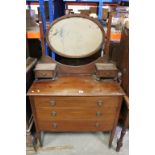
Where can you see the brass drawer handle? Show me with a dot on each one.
(98, 125)
(98, 113)
(44, 74)
(100, 103)
(53, 113)
(54, 125)
(52, 103)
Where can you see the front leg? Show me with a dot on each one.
(111, 138)
(120, 141)
(125, 126)
(34, 142)
(115, 124)
(38, 135)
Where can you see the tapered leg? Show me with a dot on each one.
(34, 142)
(125, 126)
(111, 138)
(115, 124)
(120, 141)
(39, 138)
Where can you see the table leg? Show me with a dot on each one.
(115, 124)
(120, 140)
(34, 142)
(125, 126)
(39, 138)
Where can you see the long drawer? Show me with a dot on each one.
(61, 126)
(72, 114)
(76, 102)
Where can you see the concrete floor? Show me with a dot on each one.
(80, 144)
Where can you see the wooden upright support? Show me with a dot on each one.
(42, 37)
(108, 36)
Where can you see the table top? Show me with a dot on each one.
(75, 86)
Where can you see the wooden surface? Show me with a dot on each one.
(108, 34)
(75, 103)
(47, 114)
(120, 54)
(107, 73)
(42, 37)
(70, 70)
(75, 126)
(75, 86)
(44, 74)
(123, 61)
(45, 70)
(105, 66)
(106, 70)
(76, 108)
(45, 66)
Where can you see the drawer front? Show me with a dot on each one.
(44, 114)
(62, 126)
(77, 102)
(106, 73)
(43, 74)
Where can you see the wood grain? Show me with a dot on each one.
(75, 86)
(74, 126)
(76, 102)
(44, 74)
(75, 114)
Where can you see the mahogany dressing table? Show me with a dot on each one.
(80, 93)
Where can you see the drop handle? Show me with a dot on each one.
(100, 103)
(44, 74)
(98, 113)
(53, 113)
(54, 125)
(52, 103)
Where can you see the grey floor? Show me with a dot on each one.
(80, 144)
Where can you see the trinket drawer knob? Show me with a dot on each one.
(98, 125)
(52, 103)
(100, 103)
(53, 113)
(98, 113)
(44, 74)
(54, 125)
